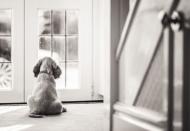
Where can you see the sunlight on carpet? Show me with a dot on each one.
(18, 127)
(6, 109)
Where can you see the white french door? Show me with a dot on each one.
(11, 51)
(61, 29)
(32, 29)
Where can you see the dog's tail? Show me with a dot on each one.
(35, 116)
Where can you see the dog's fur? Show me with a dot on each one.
(44, 100)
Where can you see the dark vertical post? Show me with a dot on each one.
(186, 80)
(170, 79)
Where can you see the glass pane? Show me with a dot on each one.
(5, 49)
(59, 48)
(72, 21)
(142, 41)
(58, 22)
(44, 21)
(72, 75)
(5, 22)
(60, 82)
(72, 48)
(44, 46)
(5, 75)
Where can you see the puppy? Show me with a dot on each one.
(44, 100)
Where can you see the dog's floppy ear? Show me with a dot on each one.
(56, 70)
(36, 68)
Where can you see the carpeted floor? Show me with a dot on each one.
(79, 117)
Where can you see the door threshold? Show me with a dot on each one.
(83, 102)
(64, 102)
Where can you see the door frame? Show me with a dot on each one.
(112, 36)
(16, 92)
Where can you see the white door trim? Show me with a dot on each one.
(16, 92)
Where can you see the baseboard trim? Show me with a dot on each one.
(123, 122)
(140, 114)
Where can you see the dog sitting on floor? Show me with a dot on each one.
(44, 100)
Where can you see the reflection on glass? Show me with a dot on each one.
(44, 46)
(5, 75)
(72, 22)
(5, 48)
(60, 83)
(72, 75)
(72, 48)
(5, 22)
(58, 48)
(58, 22)
(44, 21)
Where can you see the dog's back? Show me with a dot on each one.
(44, 93)
(44, 100)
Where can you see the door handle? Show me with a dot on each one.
(175, 21)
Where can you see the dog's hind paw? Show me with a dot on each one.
(35, 116)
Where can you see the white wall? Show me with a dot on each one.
(100, 39)
(106, 37)
(108, 19)
(99, 46)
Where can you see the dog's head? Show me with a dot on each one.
(47, 64)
